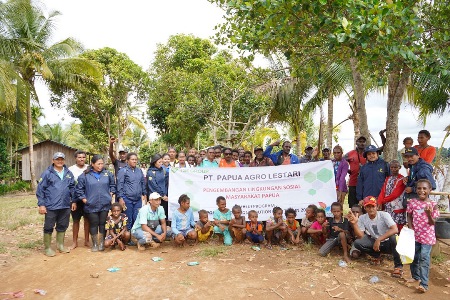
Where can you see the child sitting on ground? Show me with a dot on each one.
(237, 225)
(337, 232)
(222, 217)
(316, 230)
(276, 229)
(254, 228)
(310, 217)
(422, 214)
(116, 228)
(203, 226)
(293, 227)
(357, 211)
(183, 222)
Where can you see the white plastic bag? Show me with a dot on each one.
(406, 245)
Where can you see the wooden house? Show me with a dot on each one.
(43, 154)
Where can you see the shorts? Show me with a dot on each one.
(255, 237)
(202, 237)
(183, 232)
(276, 236)
(79, 212)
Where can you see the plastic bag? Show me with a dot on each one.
(406, 244)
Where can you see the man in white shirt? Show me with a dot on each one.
(77, 169)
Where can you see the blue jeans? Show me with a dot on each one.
(420, 267)
(132, 211)
(139, 234)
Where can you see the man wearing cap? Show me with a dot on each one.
(117, 163)
(150, 225)
(260, 160)
(282, 157)
(209, 161)
(355, 159)
(376, 233)
(308, 157)
(371, 175)
(326, 154)
(418, 169)
(77, 169)
(55, 194)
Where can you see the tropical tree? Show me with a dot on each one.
(25, 35)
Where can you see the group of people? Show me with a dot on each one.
(131, 205)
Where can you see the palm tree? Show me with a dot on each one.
(25, 32)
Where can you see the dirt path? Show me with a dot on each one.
(222, 273)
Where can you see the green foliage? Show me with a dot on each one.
(19, 186)
(195, 87)
(4, 158)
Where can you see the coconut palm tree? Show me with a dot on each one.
(25, 35)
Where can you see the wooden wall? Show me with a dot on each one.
(43, 154)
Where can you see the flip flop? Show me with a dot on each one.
(269, 246)
(421, 289)
(397, 273)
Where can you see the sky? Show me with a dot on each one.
(135, 27)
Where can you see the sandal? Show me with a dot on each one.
(269, 246)
(397, 273)
(376, 261)
(421, 289)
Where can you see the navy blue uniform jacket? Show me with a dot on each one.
(421, 170)
(371, 178)
(96, 191)
(54, 193)
(130, 184)
(158, 181)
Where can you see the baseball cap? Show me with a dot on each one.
(257, 148)
(370, 200)
(309, 147)
(410, 151)
(370, 148)
(121, 149)
(326, 149)
(154, 195)
(59, 155)
(362, 138)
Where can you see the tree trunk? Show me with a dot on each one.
(397, 82)
(359, 95)
(355, 119)
(321, 128)
(330, 121)
(30, 141)
(298, 145)
(444, 201)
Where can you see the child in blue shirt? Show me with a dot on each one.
(183, 222)
(222, 217)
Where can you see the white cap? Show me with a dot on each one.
(154, 195)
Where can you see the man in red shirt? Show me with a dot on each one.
(355, 159)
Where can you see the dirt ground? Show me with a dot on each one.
(223, 273)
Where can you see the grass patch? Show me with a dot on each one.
(3, 248)
(30, 244)
(19, 211)
(438, 259)
(212, 251)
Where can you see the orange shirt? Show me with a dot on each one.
(287, 160)
(223, 164)
(427, 154)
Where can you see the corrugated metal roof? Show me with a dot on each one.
(61, 144)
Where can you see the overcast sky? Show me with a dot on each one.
(135, 27)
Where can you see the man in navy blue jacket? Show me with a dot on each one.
(372, 174)
(131, 188)
(55, 193)
(282, 157)
(418, 169)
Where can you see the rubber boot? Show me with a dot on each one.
(47, 245)
(101, 242)
(60, 242)
(94, 242)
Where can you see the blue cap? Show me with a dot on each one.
(370, 148)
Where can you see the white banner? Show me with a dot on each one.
(259, 188)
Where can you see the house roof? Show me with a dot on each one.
(61, 144)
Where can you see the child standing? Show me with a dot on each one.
(183, 222)
(203, 227)
(337, 232)
(422, 213)
(116, 227)
(254, 228)
(276, 229)
(293, 227)
(317, 230)
(222, 217)
(237, 225)
(391, 195)
(308, 220)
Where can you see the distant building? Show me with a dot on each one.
(43, 153)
